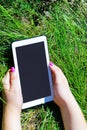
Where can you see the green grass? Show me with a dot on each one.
(39, 118)
(65, 25)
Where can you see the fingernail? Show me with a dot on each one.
(51, 63)
(12, 69)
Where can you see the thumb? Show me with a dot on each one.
(56, 72)
(13, 78)
(53, 71)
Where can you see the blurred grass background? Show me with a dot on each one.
(65, 25)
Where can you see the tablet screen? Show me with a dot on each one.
(33, 71)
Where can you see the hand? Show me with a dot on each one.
(60, 85)
(12, 91)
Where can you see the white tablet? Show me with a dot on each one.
(31, 61)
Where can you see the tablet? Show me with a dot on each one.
(31, 62)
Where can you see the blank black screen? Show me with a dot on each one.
(33, 71)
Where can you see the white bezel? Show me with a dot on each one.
(29, 42)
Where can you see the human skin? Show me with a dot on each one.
(73, 118)
(13, 97)
(72, 115)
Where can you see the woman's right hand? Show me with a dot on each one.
(60, 85)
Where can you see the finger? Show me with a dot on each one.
(58, 75)
(5, 81)
(15, 85)
(56, 72)
(13, 78)
(55, 69)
